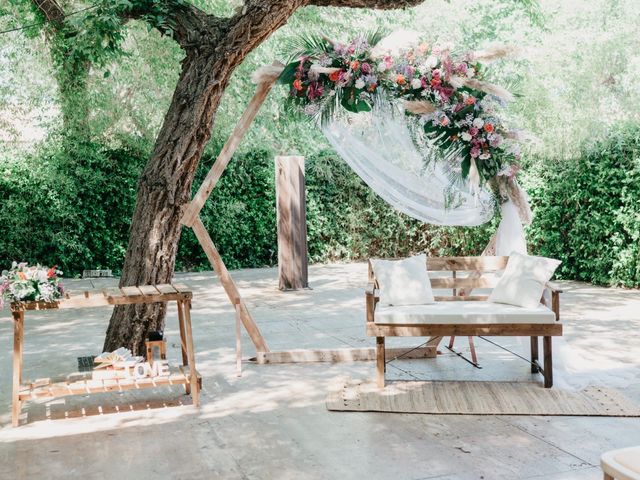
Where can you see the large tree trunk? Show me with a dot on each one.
(165, 185)
(214, 48)
(164, 188)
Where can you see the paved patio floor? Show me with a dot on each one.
(272, 423)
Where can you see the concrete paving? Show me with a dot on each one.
(272, 423)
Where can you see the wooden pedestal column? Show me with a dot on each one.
(292, 223)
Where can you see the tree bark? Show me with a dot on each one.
(165, 185)
(214, 48)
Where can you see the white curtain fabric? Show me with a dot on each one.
(379, 148)
(510, 234)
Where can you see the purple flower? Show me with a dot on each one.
(370, 79)
(365, 68)
(495, 141)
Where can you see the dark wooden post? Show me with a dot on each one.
(292, 223)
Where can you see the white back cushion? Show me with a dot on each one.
(523, 281)
(403, 282)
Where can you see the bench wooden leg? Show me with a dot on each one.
(608, 477)
(380, 361)
(548, 362)
(534, 355)
(472, 347)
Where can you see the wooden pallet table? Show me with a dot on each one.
(83, 384)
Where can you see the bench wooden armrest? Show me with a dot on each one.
(555, 298)
(372, 297)
(554, 287)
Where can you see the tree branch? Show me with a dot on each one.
(377, 4)
(51, 9)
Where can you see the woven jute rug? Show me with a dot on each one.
(479, 398)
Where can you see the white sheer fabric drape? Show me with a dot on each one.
(379, 148)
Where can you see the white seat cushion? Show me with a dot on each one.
(462, 312)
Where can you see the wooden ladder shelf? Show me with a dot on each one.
(82, 383)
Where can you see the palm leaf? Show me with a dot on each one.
(308, 44)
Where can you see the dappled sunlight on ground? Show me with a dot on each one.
(272, 422)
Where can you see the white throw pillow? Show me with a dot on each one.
(523, 281)
(403, 282)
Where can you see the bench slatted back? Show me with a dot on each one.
(472, 278)
(471, 264)
(473, 268)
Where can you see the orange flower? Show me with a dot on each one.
(334, 76)
(444, 122)
(355, 64)
(470, 100)
(372, 87)
(297, 84)
(400, 80)
(488, 127)
(22, 275)
(454, 138)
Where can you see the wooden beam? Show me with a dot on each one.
(192, 210)
(292, 223)
(229, 285)
(340, 355)
(18, 340)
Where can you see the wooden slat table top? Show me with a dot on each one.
(123, 296)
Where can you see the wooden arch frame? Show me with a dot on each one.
(191, 218)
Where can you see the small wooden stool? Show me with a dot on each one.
(623, 464)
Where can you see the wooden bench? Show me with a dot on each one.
(461, 314)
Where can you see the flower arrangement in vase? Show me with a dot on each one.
(24, 283)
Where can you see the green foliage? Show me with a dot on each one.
(70, 208)
(587, 212)
(240, 215)
(74, 208)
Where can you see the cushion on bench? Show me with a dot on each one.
(457, 312)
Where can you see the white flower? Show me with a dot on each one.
(416, 83)
(466, 136)
(471, 72)
(382, 66)
(478, 123)
(431, 61)
(485, 156)
(360, 83)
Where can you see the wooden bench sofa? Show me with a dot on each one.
(464, 315)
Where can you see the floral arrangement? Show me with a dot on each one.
(444, 95)
(23, 283)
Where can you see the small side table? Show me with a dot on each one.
(186, 374)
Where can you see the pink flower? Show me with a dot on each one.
(475, 151)
(473, 131)
(365, 68)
